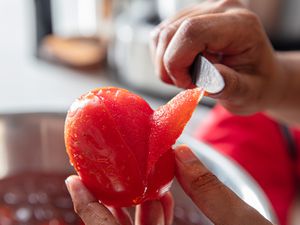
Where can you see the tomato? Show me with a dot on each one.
(121, 148)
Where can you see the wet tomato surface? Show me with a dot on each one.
(122, 148)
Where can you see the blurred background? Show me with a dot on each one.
(52, 51)
(93, 41)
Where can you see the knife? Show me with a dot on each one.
(205, 76)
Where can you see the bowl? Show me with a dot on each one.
(32, 149)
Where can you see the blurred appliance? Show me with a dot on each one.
(75, 32)
(129, 51)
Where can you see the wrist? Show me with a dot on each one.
(273, 82)
(281, 83)
(282, 79)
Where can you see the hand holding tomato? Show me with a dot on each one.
(121, 148)
(213, 198)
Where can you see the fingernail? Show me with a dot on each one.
(67, 182)
(185, 155)
(173, 80)
(154, 32)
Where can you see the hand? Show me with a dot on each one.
(231, 37)
(159, 212)
(212, 197)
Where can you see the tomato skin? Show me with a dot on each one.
(168, 122)
(161, 176)
(97, 146)
(108, 136)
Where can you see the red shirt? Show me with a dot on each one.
(266, 149)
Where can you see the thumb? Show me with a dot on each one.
(212, 197)
(238, 88)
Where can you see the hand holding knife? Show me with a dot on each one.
(206, 76)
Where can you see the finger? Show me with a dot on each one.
(167, 202)
(164, 37)
(202, 34)
(186, 43)
(240, 89)
(122, 215)
(163, 34)
(157, 50)
(206, 7)
(154, 35)
(213, 57)
(213, 198)
(86, 206)
(236, 84)
(150, 213)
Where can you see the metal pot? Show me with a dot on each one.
(33, 142)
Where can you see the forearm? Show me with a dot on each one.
(288, 108)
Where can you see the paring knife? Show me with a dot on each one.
(206, 76)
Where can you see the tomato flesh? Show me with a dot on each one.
(121, 148)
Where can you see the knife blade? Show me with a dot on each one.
(206, 76)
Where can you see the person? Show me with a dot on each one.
(257, 79)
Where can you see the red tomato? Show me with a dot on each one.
(121, 148)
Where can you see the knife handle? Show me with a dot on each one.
(195, 69)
